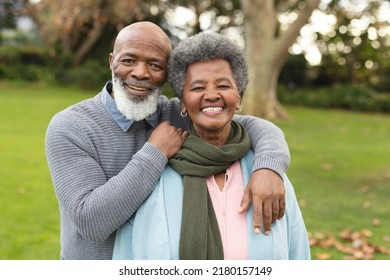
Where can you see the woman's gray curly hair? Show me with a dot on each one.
(206, 46)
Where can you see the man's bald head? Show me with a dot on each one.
(146, 32)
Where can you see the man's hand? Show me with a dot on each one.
(167, 138)
(266, 191)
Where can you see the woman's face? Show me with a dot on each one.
(210, 96)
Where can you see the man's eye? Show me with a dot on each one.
(224, 86)
(156, 67)
(128, 61)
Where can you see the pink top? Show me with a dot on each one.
(232, 226)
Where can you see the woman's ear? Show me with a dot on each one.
(183, 111)
(182, 105)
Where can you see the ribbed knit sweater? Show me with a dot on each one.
(101, 174)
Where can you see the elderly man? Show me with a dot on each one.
(107, 153)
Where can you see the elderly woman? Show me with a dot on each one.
(192, 212)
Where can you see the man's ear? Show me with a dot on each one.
(110, 59)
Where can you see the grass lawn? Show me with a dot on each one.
(340, 169)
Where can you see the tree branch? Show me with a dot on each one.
(290, 36)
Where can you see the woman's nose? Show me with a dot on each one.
(212, 95)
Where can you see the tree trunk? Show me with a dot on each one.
(93, 36)
(266, 54)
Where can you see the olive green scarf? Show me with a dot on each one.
(199, 237)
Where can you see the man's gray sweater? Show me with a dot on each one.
(102, 174)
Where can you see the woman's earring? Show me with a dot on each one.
(238, 110)
(183, 114)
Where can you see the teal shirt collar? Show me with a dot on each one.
(123, 122)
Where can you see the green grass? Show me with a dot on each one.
(340, 169)
(334, 155)
(28, 207)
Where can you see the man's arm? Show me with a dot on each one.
(272, 158)
(98, 206)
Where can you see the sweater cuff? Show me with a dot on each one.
(269, 163)
(154, 155)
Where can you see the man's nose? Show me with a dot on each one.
(140, 72)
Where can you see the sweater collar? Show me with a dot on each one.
(123, 122)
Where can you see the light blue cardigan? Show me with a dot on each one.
(154, 231)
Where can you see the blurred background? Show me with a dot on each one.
(319, 69)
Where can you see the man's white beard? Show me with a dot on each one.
(134, 107)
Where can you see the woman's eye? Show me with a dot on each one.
(223, 86)
(197, 89)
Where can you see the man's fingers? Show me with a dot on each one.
(257, 216)
(259, 213)
(275, 211)
(245, 202)
(282, 207)
(267, 217)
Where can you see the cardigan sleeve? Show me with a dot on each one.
(299, 248)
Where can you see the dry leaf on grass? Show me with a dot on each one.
(376, 222)
(323, 256)
(352, 243)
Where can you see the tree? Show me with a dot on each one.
(7, 15)
(266, 47)
(74, 27)
(267, 50)
(356, 51)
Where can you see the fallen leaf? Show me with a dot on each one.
(368, 256)
(327, 243)
(364, 189)
(319, 235)
(359, 255)
(366, 233)
(355, 235)
(346, 234)
(323, 256)
(21, 191)
(386, 238)
(376, 222)
(327, 166)
(357, 243)
(367, 204)
(366, 249)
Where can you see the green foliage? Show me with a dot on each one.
(351, 54)
(32, 64)
(334, 155)
(91, 75)
(24, 63)
(294, 73)
(355, 98)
